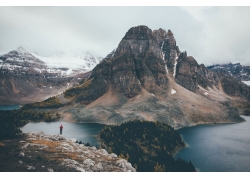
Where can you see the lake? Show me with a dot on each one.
(211, 148)
(217, 148)
(9, 107)
(85, 132)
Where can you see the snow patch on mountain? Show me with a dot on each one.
(246, 82)
(23, 60)
(238, 71)
(84, 61)
(173, 91)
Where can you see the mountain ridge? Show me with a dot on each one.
(147, 77)
(26, 78)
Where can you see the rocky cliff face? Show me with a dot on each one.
(190, 74)
(143, 66)
(231, 77)
(170, 52)
(136, 63)
(186, 72)
(207, 78)
(233, 87)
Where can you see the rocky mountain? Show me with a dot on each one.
(23, 61)
(191, 75)
(148, 77)
(26, 77)
(237, 71)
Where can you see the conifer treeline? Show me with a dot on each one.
(147, 145)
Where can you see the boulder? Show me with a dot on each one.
(21, 154)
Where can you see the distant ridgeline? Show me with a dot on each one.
(236, 70)
(148, 146)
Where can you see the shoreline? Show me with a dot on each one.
(173, 153)
(212, 123)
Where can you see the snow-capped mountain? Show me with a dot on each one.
(27, 77)
(23, 61)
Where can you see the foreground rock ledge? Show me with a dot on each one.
(69, 154)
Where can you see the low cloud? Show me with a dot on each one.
(209, 34)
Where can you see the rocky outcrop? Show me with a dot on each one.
(171, 52)
(206, 78)
(69, 155)
(136, 63)
(190, 74)
(245, 91)
(234, 87)
(186, 72)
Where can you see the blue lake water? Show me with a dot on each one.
(211, 148)
(9, 107)
(85, 132)
(217, 148)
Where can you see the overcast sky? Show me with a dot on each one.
(209, 34)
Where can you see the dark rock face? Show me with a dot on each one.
(234, 87)
(170, 52)
(230, 76)
(94, 89)
(186, 72)
(190, 74)
(206, 78)
(123, 77)
(245, 91)
(144, 59)
(136, 63)
(230, 86)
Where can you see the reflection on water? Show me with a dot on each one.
(218, 148)
(85, 132)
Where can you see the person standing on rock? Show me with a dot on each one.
(61, 128)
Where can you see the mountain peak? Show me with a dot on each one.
(170, 33)
(139, 33)
(21, 49)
